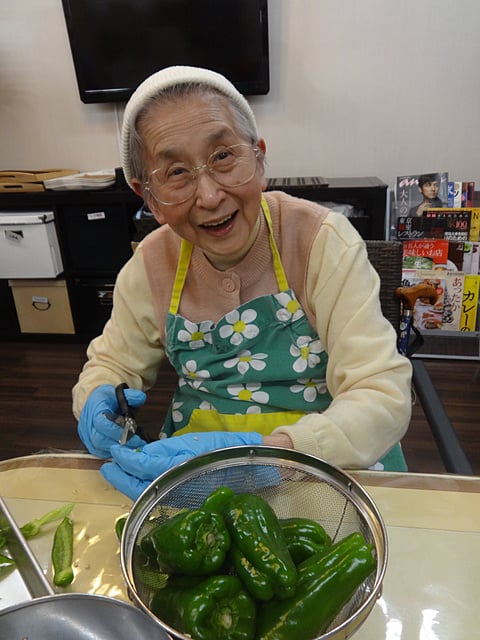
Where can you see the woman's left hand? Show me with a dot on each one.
(132, 470)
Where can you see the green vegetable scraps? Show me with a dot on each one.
(62, 550)
(62, 553)
(33, 528)
(6, 565)
(119, 527)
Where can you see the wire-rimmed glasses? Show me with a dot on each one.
(231, 166)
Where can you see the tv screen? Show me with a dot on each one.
(118, 43)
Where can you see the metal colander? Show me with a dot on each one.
(293, 483)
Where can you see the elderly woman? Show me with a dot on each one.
(265, 304)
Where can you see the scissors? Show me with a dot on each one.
(126, 419)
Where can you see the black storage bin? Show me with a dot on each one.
(9, 328)
(96, 238)
(92, 301)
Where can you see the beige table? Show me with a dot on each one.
(431, 588)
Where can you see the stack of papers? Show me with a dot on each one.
(89, 180)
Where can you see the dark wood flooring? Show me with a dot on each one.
(35, 404)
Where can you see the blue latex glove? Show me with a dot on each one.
(132, 471)
(96, 431)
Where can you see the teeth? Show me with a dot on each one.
(217, 224)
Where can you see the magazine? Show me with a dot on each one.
(468, 316)
(414, 193)
(426, 316)
(452, 300)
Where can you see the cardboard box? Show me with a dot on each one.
(19, 187)
(29, 245)
(43, 306)
(20, 176)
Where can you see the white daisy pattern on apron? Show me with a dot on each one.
(240, 326)
(291, 309)
(177, 415)
(310, 387)
(250, 392)
(245, 360)
(197, 335)
(193, 377)
(306, 353)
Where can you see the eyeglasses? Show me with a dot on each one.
(231, 166)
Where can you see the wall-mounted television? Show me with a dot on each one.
(116, 44)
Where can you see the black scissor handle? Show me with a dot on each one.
(129, 412)
(125, 409)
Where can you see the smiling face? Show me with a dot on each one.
(222, 221)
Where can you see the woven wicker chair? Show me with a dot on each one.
(386, 258)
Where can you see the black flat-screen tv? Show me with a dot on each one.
(118, 43)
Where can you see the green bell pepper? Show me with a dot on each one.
(216, 608)
(256, 532)
(326, 582)
(304, 537)
(217, 499)
(191, 543)
(257, 583)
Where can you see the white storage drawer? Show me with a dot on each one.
(29, 245)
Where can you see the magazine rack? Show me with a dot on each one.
(386, 258)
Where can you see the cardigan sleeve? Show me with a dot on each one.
(370, 382)
(129, 349)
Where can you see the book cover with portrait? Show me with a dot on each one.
(415, 193)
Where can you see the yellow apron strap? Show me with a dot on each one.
(186, 249)
(277, 263)
(180, 276)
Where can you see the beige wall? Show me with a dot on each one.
(359, 87)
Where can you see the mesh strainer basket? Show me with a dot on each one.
(293, 483)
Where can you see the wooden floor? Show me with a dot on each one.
(35, 404)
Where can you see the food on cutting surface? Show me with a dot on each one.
(33, 528)
(62, 553)
(279, 578)
(62, 547)
(119, 526)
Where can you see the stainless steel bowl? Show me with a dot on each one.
(77, 616)
(293, 483)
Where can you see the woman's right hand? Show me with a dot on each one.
(98, 432)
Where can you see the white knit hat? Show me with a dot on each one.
(169, 77)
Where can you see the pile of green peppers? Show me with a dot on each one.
(235, 571)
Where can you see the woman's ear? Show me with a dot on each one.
(137, 187)
(263, 148)
(147, 198)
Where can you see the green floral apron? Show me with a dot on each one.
(260, 366)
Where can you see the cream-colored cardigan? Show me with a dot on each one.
(326, 264)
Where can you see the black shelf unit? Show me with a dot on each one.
(368, 195)
(95, 230)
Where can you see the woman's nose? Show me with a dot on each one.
(208, 193)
